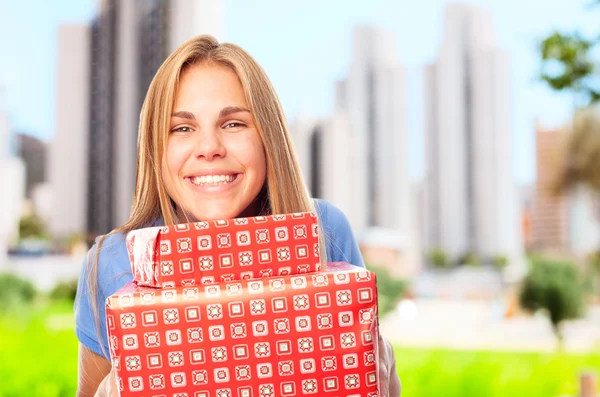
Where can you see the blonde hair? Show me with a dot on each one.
(285, 191)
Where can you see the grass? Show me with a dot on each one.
(38, 357)
(451, 373)
(38, 352)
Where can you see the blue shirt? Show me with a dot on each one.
(114, 271)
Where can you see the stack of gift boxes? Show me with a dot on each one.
(242, 308)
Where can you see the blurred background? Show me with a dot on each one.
(461, 139)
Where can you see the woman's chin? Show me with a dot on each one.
(216, 213)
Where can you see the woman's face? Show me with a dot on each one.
(214, 165)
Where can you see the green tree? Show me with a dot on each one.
(556, 288)
(389, 289)
(64, 290)
(470, 259)
(31, 226)
(500, 261)
(15, 292)
(438, 258)
(568, 64)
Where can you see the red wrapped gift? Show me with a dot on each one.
(281, 336)
(224, 250)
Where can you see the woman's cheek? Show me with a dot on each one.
(177, 153)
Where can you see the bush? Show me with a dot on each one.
(469, 259)
(593, 273)
(500, 261)
(438, 259)
(389, 289)
(555, 287)
(32, 227)
(15, 292)
(64, 290)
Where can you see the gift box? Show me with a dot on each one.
(279, 336)
(224, 250)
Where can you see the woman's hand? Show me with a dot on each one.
(389, 382)
(108, 387)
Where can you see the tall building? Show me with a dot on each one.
(12, 179)
(549, 218)
(130, 40)
(566, 222)
(584, 222)
(325, 159)
(373, 97)
(33, 152)
(471, 195)
(68, 150)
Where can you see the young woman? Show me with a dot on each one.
(213, 144)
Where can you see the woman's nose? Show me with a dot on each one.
(210, 145)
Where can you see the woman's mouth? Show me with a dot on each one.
(212, 180)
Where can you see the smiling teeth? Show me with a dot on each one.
(212, 179)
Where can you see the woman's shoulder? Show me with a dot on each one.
(110, 245)
(114, 267)
(331, 216)
(340, 242)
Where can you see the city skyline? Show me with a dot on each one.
(330, 54)
(470, 192)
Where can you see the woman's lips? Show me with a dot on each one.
(214, 183)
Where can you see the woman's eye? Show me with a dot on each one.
(181, 129)
(233, 124)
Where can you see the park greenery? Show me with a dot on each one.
(554, 287)
(389, 289)
(569, 63)
(32, 227)
(38, 357)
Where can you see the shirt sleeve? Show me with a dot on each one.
(341, 245)
(113, 273)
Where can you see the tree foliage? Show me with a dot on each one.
(582, 163)
(438, 258)
(556, 288)
(31, 227)
(567, 65)
(389, 289)
(15, 292)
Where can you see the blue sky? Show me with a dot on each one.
(305, 46)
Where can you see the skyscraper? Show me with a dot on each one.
(471, 195)
(130, 40)
(68, 150)
(33, 152)
(325, 159)
(12, 179)
(100, 140)
(373, 98)
(549, 221)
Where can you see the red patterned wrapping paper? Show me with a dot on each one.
(224, 250)
(302, 335)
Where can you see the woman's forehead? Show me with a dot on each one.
(209, 87)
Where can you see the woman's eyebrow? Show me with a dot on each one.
(230, 110)
(184, 115)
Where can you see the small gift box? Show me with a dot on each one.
(224, 250)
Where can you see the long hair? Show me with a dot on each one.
(284, 191)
